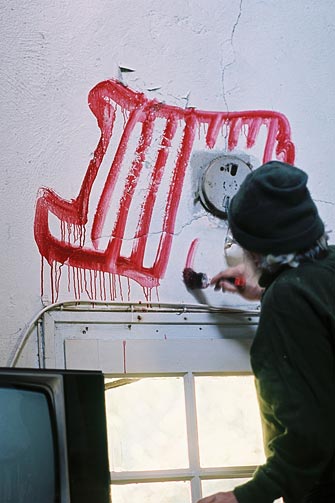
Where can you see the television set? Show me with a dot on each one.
(53, 437)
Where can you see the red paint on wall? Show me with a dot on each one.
(106, 100)
(124, 344)
(191, 253)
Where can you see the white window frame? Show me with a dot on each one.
(137, 341)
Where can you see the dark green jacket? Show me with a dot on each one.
(292, 357)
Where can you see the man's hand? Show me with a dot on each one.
(250, 291)
(227, 497)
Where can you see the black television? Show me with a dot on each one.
(53, 437)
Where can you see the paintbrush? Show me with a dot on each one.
(199, 280)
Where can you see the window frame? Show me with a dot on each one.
(136, 341)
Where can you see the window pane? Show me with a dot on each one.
(146, 425)
(228, 420)
(217, 485)
(162, 492)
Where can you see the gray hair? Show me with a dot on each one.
(272, 263)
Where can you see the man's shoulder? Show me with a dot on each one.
(294, 282)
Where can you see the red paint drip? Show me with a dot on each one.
(74, 282)
(112, 286)
(147, 292)
(52, 283)
(106, 100)
(57, 277)
(42, 276)
(124, 343)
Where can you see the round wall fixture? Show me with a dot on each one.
(220, 182)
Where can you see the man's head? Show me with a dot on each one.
(273, 211)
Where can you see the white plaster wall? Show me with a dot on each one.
(220, 54)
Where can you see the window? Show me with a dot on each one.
(180, 396)
(175, 438)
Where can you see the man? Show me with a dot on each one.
(273, 218)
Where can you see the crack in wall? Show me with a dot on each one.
(227, 65)
(189, 222)
(324, 202)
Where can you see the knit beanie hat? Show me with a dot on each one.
(273, 211)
